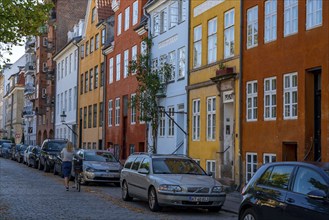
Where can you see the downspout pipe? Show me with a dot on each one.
(188, 77)
(77, 98)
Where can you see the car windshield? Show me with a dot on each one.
(55, 146)
(176, 166)
(23, 148)
(109, 157)
(94, 157)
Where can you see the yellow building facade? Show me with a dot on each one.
(213, 88)
(91, 86)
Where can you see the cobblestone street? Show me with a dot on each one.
(27, 193)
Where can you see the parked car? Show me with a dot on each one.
(99, 166)
(58, 166)
(170, 180)
(14, 150)
(33, 158)
(27, 153)
(6, 150)
(1, 142)
(20, 153)
(287, 190)
(50, 148)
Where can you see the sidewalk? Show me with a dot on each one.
(232, 202)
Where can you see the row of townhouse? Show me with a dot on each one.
(245, 87)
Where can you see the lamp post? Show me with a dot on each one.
(63, 117)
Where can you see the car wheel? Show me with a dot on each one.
(125, 193)
(214, 209)
(39, 165)
(249, 214)
(46, 167)
(153, 200)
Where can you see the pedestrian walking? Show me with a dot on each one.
(67, 156)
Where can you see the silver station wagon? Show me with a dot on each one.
(170, 180)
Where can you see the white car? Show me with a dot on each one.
(27, 153)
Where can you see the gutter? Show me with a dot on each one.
(77, 92)
(188, 76)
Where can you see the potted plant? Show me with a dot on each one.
(223, 70)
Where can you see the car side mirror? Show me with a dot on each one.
(210, 173)
(143, 171)
(317, 194)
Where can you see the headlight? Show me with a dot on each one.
(217, 189)
(90, 169)
(171, 188)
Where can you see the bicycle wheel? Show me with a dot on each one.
(77, 182)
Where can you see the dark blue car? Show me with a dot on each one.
(287, 190)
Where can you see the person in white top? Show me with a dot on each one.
(67, 156)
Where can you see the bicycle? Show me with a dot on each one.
(77, 166)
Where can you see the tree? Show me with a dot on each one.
(18, 19)
(152, 81)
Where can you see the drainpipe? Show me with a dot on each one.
(104, 102)
(77, 98)
(188, 77)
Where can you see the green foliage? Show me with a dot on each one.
(151, 82)
(18, 19)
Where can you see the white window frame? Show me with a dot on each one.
(251, 114)
(117, 111)
(314, 10)
(290, 88)
(134, 55)
(125, 63)
(172, 61)
(110, 113)
(173, 14)
(127, 18)
(156, 25)
(162, 124)
(133, 114)
(163, 21)
(252, 25)
(119, 27)
(290, 17)
(270, 98)
(171, 125)
(111, 70)
(212, 40)
(229, 33)
(252, 165)
(181, 62)
(270, 28)
(211, 166)
(70, 100)
(196, 122)
(270, 157)
(197, 44)
(211, 118)
(118, 67)
(135, 13)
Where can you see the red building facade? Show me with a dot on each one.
(285, 63)
(124, 132)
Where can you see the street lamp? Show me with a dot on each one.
(63, 117)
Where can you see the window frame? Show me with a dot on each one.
(289, 20)
(197, 42)
(271, 93)
(252, 163)
(117, 112)
(229, 22)
(252, 96)
(290, 90)
(133, 112)
(212, 40)
(171, 124)
(251, 24)
(270, 15)
(110, 113)
(196, 120)
(211, 128)
(118, 66)
(313, 14)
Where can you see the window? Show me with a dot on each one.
(211, 166)
(75, 59)
(125, 63)
(163, 61)
(95, 116)
(129, 162)
(127, 18)
(82, 51)
(86, 81)
(290, 17)
(280, 176)
(111, 71)
(162, 124)
(313, 13)
(87, 48)
(91, 76)
(96, 77)
(103, 36)
(163, 21)
(119, 24)
(270, 20)
(171, 127)
(89, 115)
(65, 70)
(172, 62)
(133, 109)
(93, 15)
(251, 165)
(229, 34)
(211, 118)
(252, 101)
(173, 13)
(196, 120)
(136, 163)
(81, 83)
(156, 25)
(181, 11)
(118, 66)
(145, 164)
(70, 64)
(70, 100)
(181, 62)
(134, 54)
(110, 116)
(101, 114)
(92, 45)
(252, 27)
(58, 71)
(269, 158)
(117, 111)
(212, 40)
(102, 73)
(131, 149)
(308, 180)
(62, 71)
(65, 101)
(85, 117)
(135, 12)
(197, 47)
(290, 96)
(96, 41)
(270, 98)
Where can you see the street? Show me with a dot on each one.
(27, 193)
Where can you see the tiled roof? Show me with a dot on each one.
(104, 9)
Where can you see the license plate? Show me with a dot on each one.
(199, 199)
(106, 175)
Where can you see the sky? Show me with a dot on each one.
(18, 51)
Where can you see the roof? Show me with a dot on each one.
(104, 9)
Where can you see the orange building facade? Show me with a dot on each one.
(124, 132)
(285, 63)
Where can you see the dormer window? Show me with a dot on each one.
(115, 5)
